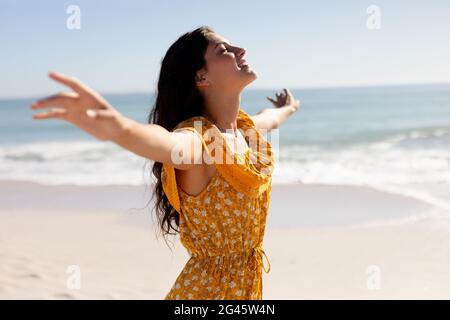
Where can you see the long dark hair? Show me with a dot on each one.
(177, 99)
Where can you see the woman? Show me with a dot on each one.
(218, 207)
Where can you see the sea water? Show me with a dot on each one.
(393, 138)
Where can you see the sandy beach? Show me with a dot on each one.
(327, 242)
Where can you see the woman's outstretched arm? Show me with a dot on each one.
(86, 109)
(271, 118)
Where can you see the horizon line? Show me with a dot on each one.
(313, 87)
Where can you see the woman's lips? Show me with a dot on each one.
(243, 64)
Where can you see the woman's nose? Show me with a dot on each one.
(241, 52)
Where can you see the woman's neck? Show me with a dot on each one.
(223, 112)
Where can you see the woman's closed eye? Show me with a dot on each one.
(225, 49)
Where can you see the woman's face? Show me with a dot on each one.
(224, 65)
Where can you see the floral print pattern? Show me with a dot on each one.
(223, 244)
(222, 229)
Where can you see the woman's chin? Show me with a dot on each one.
(252, 75)
(246, 77)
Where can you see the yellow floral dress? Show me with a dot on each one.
(222, 228)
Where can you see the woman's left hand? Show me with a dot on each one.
(285, 99)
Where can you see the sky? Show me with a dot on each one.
(294, 44)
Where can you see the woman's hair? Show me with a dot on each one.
(177, 99)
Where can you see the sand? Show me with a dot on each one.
(326, 242)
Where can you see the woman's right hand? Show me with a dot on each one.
(84, 108)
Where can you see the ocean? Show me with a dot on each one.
(392, 138)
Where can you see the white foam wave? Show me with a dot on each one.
(422, 173)
(78, 162)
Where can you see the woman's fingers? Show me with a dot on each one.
(271, 100)
(71, 82)
(282, 98)
(52, 113)
(63, 99)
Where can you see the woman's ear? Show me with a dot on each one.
(201, 80)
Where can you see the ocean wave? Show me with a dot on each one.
(76, 162)
(421, 133)
(419, 172)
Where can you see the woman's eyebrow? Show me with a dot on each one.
(223, 42)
